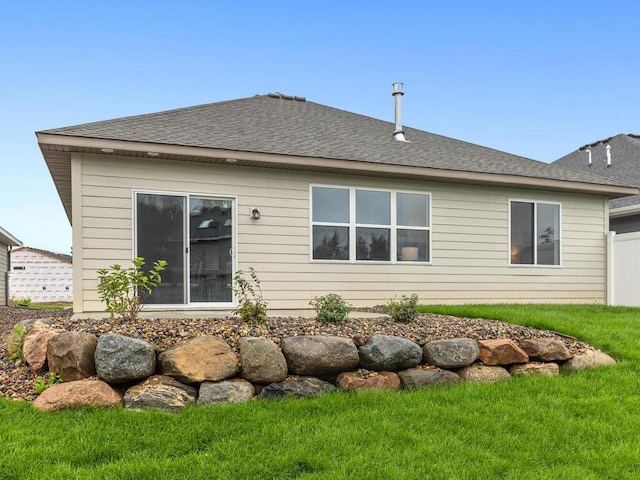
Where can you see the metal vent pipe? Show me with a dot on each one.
(397, 90)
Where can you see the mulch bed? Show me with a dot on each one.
(17, 381)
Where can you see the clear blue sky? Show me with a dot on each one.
(537, 79)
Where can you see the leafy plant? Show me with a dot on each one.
(23, 302)
(404, 309)
(123, 289)
(40, 384)
(15, 343)
(251, 307)
(330, 308)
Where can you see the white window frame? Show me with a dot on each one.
(535, 226)
(352, 225)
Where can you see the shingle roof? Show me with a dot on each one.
(625, 163)
(293, 126)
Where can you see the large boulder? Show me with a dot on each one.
(319, 355)
(200, 359)
(122, 359)
(78, 394)
(34, 347)
(160, 391)
(261, 361)
(389, 353)
(70, 355)
(484, 374)
(422, 377)
(501, 351)
(235, 390)
(368, 381)
(587, 359)
(546, 349)
(301, 387)
(452, 353)
(535, 368)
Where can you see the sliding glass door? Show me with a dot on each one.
(195, 235)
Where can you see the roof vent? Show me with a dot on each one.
(397, 90)
(588, 150)
(286, 97)
(608, 149)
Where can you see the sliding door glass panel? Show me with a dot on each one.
(160, 236)
(210, 239)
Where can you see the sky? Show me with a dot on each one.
(537, 79)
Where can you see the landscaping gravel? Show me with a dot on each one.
(17, 381)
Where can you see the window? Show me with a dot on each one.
(363, 225)
(535, 233)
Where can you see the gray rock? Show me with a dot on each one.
(70, 355)
(236, 390)
(200, 359)
(389, 353)
(452, 353)
(418, 377)
(484, 374)
(587, 359)
(261, 361)
(121, 359)
(319, 355)
(160, 391)
(298, 388)
(546, 349)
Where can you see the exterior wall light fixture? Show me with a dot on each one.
(255, 213)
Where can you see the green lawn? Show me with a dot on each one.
(583, 425)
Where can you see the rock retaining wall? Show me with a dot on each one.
(115, 370)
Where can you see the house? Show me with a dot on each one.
(320, 200)
(40, 275)
(617, 158)
(7, 241)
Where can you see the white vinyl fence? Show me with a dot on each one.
(624, 274)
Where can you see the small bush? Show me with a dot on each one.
(251, 307)
(40, 384)
(123, 289)
(330, 308)
(15, 343)
(402, 310)
(23, 302)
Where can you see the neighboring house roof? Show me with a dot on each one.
(282, 131)
(57, 256)
(624, 164)
(7, 239)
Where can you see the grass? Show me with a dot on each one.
(581, 425)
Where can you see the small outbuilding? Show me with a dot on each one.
(7, 241)
(40, 275)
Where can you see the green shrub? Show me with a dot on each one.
(123, 290)
(23, 302)
(15, 343)
(330, 308)
(403, 309)
(251, 307)
(40, 384)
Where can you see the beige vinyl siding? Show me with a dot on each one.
(4, 268)
(470, 236)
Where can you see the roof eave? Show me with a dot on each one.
(57, 150)
(624, 211)
(8, 239)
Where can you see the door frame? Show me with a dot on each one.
(186, 255)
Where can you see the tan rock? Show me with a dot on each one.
(200, 359)
(535, 368)
(160, 391)
(34, 348)
(484, 374)
(588, 359)
(70, 354)
(78, 394)
(374, 381)
(546, 349)
(501, 351)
